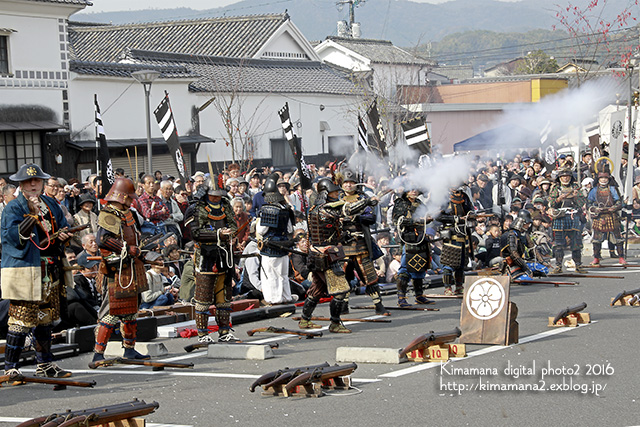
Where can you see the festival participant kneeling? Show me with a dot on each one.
(32, 274)
(121, 275)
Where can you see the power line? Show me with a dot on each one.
(452, 55)
(501, 53)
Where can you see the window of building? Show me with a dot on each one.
(18, 148)
(4, 55)
(281, 154)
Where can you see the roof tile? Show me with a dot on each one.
(235, 37)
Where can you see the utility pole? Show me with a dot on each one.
(352, 6)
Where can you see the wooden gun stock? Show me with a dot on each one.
(189, 348)
(270, 376)
(372, 307)
(67, 230)
(54, 381)
(544, 282)
(273, 330)
(123, 361)
(317, 375)
(328, 319)
(96, 416)
(569, 310)
(242, 227)
(432, 338)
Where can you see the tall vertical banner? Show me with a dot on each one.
(106, 166)
(612, 132)
(362, 135)
(378, 130)
(167, 124)
(296, 149)
(547, 149)
(416, 134)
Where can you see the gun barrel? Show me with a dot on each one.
(299, 380)
(569, 310)
(270, 376)
(273, 330)
(624, 294)
(433, 337)
(319, 374)
(54, 381)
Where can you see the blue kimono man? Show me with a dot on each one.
(32, 273)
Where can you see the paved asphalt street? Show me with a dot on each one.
(595, 367)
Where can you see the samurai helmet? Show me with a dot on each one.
(325, 184)
(604, 167)
(565, 172)
(122, 191)
(214, 187)
(523, 218)
(349, 175)
(270, 190)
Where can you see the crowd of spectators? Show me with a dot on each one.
(498, 191)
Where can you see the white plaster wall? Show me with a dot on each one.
(122, 104)
(339, 112)
(285, 43)
(335, 56)
(123, 114)
(386, 77)
(35, 45)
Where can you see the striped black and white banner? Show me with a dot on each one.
(362, 135)
(167, 124)
(108, 177)
(378, 129)
(296, 149)
(417, 134)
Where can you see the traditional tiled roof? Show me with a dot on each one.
(255, 75)
(379, 51)
(216, 74)
(235, 37)
(114, 69)
(80, 2)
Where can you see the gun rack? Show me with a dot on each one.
(626, 301)
(571, 320)
(437, 353)
(314, 389)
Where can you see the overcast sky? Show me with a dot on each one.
(117, 5)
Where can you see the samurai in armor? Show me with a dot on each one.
(212, 225)
(357, 243)
(326, 258)
(416, 256)
(458, 221)
(513, 245)
(121, 275)
(604, 202)
(32, 272)
(274, 228)
(567, 201)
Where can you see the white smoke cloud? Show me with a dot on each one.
(436, 181)
(563, 112)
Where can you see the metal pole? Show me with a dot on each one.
(631, 141)
(147, 91)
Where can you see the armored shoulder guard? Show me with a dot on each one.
(110, 221)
